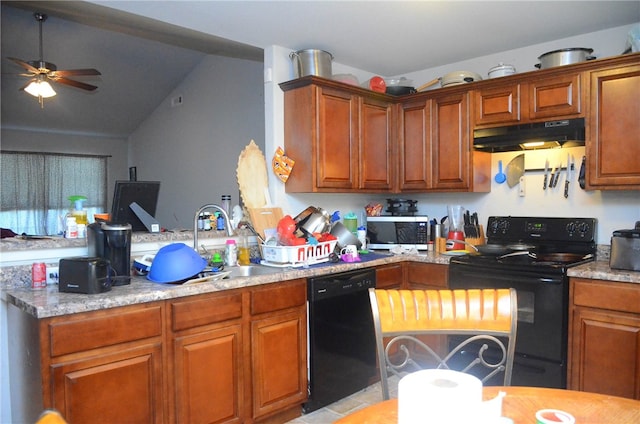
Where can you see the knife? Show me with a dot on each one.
(557, 176)
(546, 174)
(570, 171)
(581, 176)
(568, 177)
(553, 174)
(476, 225)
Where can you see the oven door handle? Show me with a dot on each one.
(458, 277)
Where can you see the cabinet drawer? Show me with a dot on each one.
(103, 328)
(280, 296)
(606, 295)
(206, 309)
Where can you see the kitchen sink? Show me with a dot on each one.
(250, 270)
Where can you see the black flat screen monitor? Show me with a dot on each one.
(144, 193)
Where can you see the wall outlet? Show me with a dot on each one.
(521, 187)
(52, 275)
(177, 101)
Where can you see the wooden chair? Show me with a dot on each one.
(50, 416)
(476, 318)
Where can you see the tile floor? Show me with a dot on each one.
(358, 400)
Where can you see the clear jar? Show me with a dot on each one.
(226, 203)
(244, 250)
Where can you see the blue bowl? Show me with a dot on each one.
(175, 263)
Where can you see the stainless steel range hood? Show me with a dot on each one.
(541, 135)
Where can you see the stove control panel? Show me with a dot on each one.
(513, 228)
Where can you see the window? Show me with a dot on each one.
(36, 187)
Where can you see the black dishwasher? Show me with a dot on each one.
(342, 346)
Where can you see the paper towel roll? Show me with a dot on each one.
(440, 396)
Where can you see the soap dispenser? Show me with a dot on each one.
(77, 210)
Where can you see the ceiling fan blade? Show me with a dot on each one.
(24, 64)
(72, 83)
(74, 72)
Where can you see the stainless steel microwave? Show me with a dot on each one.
(386, 232)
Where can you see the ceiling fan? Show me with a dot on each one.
(40, 72)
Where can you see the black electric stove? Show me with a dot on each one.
(542, 249)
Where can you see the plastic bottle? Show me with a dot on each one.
(351, 222)
(219, 222)
(207, 221)
(77, 211)
(244, 251)
(362, 237)
(71, 228)
(231, 253)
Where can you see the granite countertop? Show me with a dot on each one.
(48, 302)
(600, 270)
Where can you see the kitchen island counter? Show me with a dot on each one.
(49, 302)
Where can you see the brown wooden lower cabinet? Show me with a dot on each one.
(278, 351)
(236, 356)
(105, 365)
(390, 276)
(206, 354)
(604, 337)
(427, 276)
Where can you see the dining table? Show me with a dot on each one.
(520, 404)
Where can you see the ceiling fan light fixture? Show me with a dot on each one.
(40, 88)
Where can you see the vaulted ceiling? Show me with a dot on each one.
(145, 49)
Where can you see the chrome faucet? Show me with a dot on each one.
(227, 222)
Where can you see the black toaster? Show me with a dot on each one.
(88, 275)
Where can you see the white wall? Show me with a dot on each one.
(613, 209)
(193, 149)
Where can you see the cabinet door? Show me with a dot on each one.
(427, 276)
(606, 357)
(337, 147)
(375, 145)
(414, 145)
(278, 359)
(389, 276)
(111, 388)
(208, 376)
(613, 142)
(559, 96)
(497, 105)
(450, 142)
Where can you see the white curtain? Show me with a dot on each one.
(36, 187)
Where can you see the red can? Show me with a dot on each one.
(38, 275)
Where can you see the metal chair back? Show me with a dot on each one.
(476, 318)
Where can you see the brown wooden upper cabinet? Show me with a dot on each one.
(613, 128)
(341, 140)
(557, 96)
(347, 139)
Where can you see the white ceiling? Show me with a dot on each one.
(388, 38)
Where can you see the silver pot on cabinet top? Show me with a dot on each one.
(564, 57)
(311, 62)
